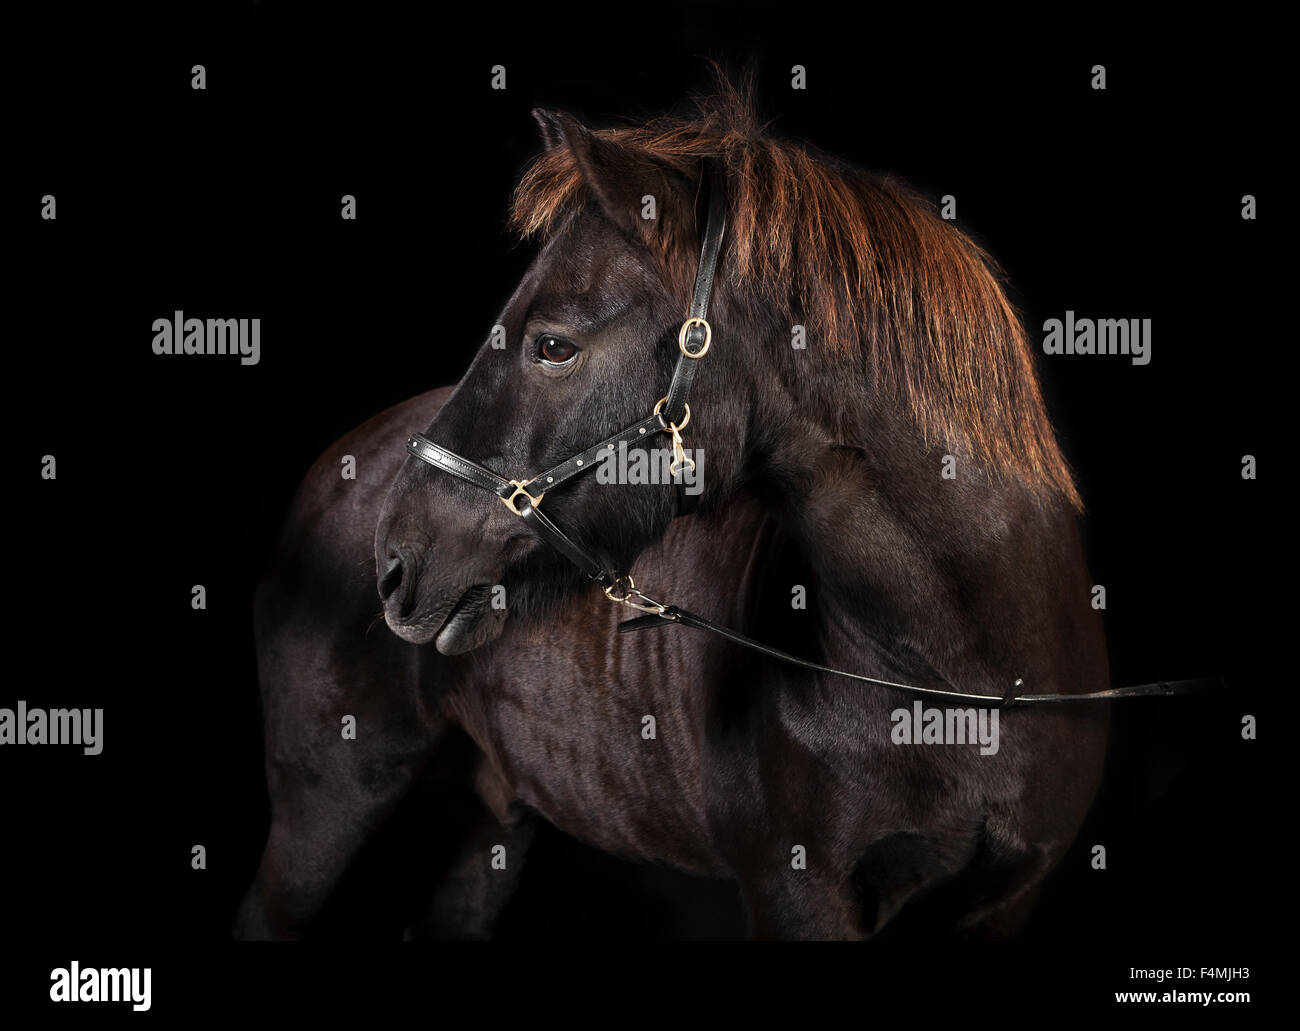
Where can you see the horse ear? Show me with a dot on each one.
(549, 123)
(614, 174)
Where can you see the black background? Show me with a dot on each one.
(225, 203)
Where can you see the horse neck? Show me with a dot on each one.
(927, 573)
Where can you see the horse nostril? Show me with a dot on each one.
(392, 578)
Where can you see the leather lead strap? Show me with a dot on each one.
(672, 614)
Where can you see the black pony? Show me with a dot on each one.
(872, 425)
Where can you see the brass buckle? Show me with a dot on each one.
(633, 598)
(686, 328)
(519, 486)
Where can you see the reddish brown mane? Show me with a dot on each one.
(866, 265)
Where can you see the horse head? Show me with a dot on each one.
(585, 347)
(859, 344)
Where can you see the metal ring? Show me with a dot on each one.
(627, 592)
(681, 425)
(686, 328)
(634, 599)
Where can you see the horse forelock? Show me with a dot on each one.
(865, 264)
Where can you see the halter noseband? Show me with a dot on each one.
(671, 415)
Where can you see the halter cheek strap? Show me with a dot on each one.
(671, 415)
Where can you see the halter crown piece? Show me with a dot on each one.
(671, 415)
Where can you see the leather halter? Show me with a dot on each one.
(670, 415)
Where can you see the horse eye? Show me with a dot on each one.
(556, 351)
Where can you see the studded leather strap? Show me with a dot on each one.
(575, 464)
(439, 457)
